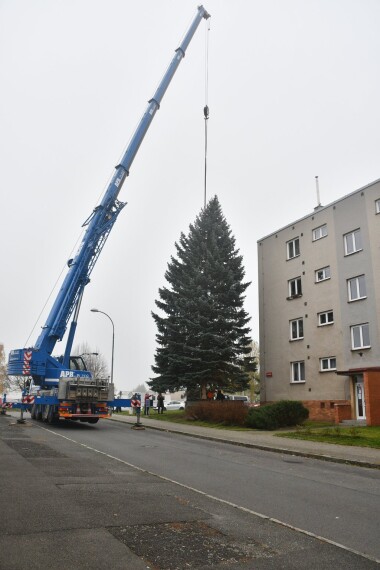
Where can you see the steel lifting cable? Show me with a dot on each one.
(206, 111)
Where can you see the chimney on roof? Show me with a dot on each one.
(319, 205)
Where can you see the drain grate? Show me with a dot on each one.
(32, 449)
(180, 545)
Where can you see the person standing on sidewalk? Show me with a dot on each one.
(136, 406)
(160, 403)
(146, 404)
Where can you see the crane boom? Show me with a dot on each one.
(37, 361)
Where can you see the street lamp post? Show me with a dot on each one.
(113, 337)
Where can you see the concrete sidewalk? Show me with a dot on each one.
(267, 441)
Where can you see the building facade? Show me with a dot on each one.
(319, 303)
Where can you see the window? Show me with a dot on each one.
(295, 288)
(296, 329)
(298, 371)
(328, 363)
(352, 242)
(293, 248)
(377, 206)
(325, 318)
(320, 232)
(356, 288)
(360, 336)
(322, 274)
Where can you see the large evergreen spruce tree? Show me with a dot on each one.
(203, 337)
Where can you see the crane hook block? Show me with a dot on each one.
(206, 112)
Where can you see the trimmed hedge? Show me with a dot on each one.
(285, 413)
(229, 413)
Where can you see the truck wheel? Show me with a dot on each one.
(51, 415)
(33, 412)
(38, 413)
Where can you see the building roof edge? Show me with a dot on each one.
(319, 209)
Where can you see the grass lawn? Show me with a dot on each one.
(327, 433)
(178, 417)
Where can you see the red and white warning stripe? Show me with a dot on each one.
(27, 359)
(28, 400)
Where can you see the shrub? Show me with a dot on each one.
(262, 418)
(285, 413)
(226, 412)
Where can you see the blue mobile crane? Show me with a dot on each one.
(62, 387)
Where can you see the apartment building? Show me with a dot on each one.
(319, 303)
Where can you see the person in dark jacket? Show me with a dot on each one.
(160, 403)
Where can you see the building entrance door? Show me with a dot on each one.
(359, 397)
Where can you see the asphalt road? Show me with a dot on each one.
(338, 502)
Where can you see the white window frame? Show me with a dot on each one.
(357, 289)
(377, 206)
(356, 236)
(298, 324)
(319, 232)
(298, 287)
(323, 274)
(326, 313)
(360, 329)
(297, 372)
(330, 361)
(293, 244)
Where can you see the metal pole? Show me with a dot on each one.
(113, 338)
(21, 418)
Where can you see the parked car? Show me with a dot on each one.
(244, 399)
(174, 405)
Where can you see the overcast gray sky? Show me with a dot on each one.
(293, 93)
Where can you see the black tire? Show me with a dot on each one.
(33, 412)
(51, 415)
(38, 413)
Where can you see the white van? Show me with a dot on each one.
(244, 399)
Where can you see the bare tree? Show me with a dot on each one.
(4, 381)
(95, 361)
